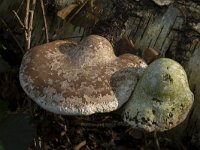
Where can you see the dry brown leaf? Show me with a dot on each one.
(63, 13)
(124, 45)
(150, 54)
(80, 145)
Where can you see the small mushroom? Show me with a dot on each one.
(79, 78)
(162, 98)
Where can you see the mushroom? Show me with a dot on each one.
(79, 78)
(161, 99)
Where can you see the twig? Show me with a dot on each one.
(45, 21)
(30, 25)
(13, 36)
(156, 140)
(21, 4)
(26, 23)
(20, 21)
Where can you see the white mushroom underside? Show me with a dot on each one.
(88, 109)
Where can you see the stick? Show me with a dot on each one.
(156, 140)
(18, 18)
(30, 26)
(21, 4)
(26, 23)
(16, 11)
(45, 21)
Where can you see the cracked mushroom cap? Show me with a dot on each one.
(162, 98)
(79, 78)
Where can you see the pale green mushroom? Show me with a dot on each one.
(162, 98)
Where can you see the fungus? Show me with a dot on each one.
(79, 78)
(162, 98)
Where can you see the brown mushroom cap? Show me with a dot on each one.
(79, 79)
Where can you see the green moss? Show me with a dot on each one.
(162, 97)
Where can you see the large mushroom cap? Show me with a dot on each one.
(79, 79)
(162, 98)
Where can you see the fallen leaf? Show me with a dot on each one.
(80, 145)
(63, 13)
(150, 54)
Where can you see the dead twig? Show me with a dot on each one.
(11, 33)
(30, 25)
(156, 140)
(26, 20)
(18, 18)
(16, 13)
(45, 21)
(20, 6)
